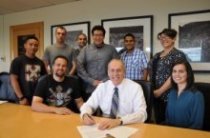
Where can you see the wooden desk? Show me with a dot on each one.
(18, 121)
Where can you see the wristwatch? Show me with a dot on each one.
(21, 98)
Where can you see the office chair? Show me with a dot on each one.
(146, 86)
(204, 88)
(6, 90)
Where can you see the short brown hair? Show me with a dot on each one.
(168, 32)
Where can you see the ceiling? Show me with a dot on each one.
(10, 6)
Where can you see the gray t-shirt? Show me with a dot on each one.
(53, 51)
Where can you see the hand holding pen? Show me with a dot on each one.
(88, 119)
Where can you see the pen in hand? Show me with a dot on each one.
(88, 119)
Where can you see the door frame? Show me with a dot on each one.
(36, 28)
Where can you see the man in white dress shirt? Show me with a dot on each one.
(131, 102)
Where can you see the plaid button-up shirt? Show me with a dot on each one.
(135, 63)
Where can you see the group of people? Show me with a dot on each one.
(96, 76)
(176, 100)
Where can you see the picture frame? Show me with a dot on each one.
(140, 26)
(193, 37)
(73, 30)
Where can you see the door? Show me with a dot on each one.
(19, 32)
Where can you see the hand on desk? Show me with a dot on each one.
(107, 123)
(63, 111)
(104, 123)
(88, 119)
(24, 102)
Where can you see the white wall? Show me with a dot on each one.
(94, 11)
(1, 36)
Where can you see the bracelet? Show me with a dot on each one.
(21, 98)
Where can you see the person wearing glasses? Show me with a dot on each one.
(93, 60)
(159, 70)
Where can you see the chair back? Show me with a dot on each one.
(147, 89)
(204, 88)
(6, 90)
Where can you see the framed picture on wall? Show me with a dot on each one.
(73, 30)
(140, 26)
(193, 37)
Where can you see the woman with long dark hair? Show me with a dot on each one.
(185, 107)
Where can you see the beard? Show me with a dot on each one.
(60, 75)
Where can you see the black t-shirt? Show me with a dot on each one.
(28, 70)
(59, 94)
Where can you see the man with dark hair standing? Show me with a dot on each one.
(93, 60)
(135, 59)
(55, 93)
(60, 48)
(25, 71)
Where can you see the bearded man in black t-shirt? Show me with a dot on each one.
(55, 93)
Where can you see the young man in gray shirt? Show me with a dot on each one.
(93, 60)
(60, 48)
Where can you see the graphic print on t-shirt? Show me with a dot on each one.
(32, 72)
(59, 97)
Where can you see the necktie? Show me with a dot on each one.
(115, 103)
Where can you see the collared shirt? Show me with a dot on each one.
(135, 64)
(92, 63)
(132, 105)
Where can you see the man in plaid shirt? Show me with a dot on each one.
(135, 59)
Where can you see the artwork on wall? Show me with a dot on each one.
(140, 26)
(73, 30)
(193, 37)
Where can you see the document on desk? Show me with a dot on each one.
(1, 102)
(117, 132)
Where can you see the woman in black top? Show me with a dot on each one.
(160, 67)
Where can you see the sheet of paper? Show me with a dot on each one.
(1, 102)
(117, 132)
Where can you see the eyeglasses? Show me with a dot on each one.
(164, 38)
(98, 35)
